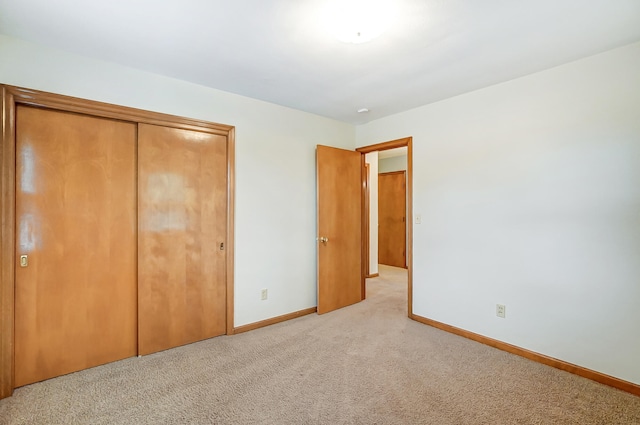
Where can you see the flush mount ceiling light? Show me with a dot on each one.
(359, 21)
(363, 110)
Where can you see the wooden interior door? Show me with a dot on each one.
(339, 191)
(182, 213)
(392, 230)
(75, 301)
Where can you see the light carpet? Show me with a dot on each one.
(364, 364)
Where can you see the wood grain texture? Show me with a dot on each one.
(7, 241)
(75, 219)
(73, 104)
(366, 219)
(409, 145)
(182, 209)
(231, 190)
(274, 320)
(536, 357)
(392, 230)
(392, 144)
(363, 229)
(340, 198)
(14, 96)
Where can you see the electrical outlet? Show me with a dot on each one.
(501, 310)
(264, 295)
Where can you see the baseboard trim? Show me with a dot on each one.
(372, 275)
(611, 381)
(274, 320)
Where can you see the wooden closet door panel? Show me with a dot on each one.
(76, 222)
(182, 210)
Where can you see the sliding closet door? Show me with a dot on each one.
(182, 204)
(75, 299)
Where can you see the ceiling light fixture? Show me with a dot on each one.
(359, 21)
(363, 110)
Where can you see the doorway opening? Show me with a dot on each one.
(371, 155)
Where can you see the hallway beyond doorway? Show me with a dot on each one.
(391, 283)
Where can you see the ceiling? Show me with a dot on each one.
(281, 50)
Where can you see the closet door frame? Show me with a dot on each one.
(13, 96)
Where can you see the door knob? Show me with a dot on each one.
(324, 240)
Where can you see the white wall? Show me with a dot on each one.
(395, 163)
(530, 196)
(275, 164)
(372, 159)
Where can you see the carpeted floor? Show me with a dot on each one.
(365, 364)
